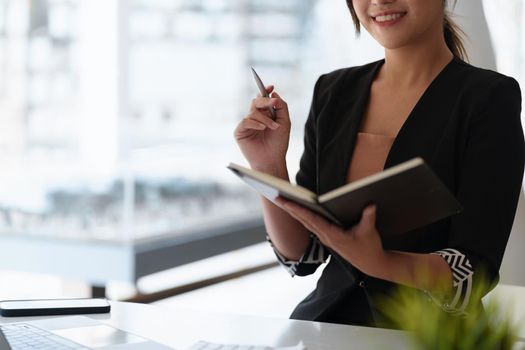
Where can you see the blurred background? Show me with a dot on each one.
(116, 125)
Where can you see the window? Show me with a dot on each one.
(118, 115)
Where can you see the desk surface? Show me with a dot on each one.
(180, 328)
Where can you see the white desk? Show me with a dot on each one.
(181, 328)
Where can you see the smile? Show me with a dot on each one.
(388, 17)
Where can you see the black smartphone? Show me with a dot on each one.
(46, 307)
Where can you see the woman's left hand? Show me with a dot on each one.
(360, 245)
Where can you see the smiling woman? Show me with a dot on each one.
(451, 30)
(421, 100)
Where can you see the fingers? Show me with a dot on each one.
(259, 111)
(265, 103)
(253, 123)
(248, 128)
(275, 101)
(308, 218)
(268, 88)
(263, 119)
(280, 201)
(281, 109)
(260, 118)
(276, 95)
(367, 221)
(280, 104)
(296, 212)
(368, 217)
(248, 123)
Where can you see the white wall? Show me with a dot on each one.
(470, 17)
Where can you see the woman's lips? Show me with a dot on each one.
(388, 18)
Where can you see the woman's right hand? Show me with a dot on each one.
(262, 141)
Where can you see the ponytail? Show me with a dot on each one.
(357, 24)
(453, 33)
(454, 37)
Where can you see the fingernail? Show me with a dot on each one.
(275, 125)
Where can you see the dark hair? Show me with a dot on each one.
(453, 33)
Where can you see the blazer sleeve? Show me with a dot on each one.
(490, 182)
(316, 253)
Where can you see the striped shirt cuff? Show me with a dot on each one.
(462, 273)
(315, 254)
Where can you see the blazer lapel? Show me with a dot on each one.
(423, 129)
(338, 126)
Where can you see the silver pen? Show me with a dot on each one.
(262, 90)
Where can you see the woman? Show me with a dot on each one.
(421, 100)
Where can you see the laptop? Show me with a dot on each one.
(70, 332)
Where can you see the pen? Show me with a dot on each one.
(263, 91)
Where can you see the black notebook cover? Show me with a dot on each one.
(408, 196)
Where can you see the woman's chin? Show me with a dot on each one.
(393, 43)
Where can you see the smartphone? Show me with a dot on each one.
(46, 307)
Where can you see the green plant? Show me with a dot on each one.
(432, 328)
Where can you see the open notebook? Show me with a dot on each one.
(408, 196)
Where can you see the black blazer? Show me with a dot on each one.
(466, 126)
